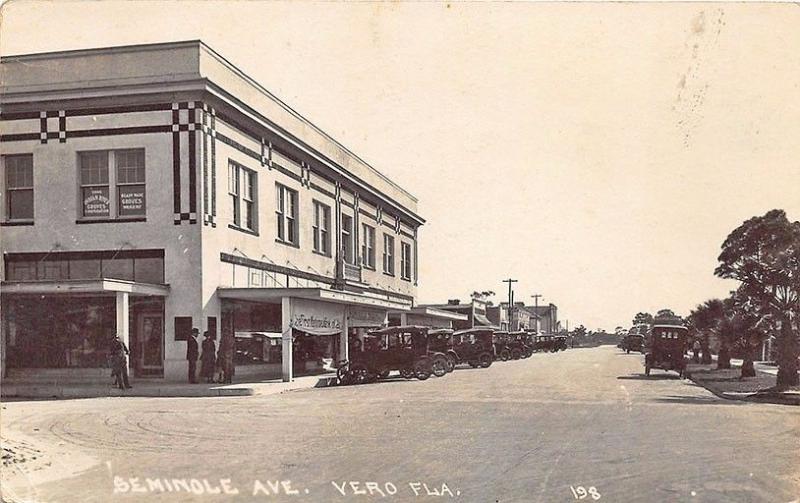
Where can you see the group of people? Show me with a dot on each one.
(211, 361)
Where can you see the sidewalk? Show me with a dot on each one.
(150, 388)
(727, 383)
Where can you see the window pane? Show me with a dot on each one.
(118, 268)
(95, 202)
(94, 168)
(84, 268)
(19, 171)
(53, 269)
(130, 166)
(131, 200)
(248, 217)
(22, 270)
(20, 204)
(149, 270)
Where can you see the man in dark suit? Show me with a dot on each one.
(192, 354)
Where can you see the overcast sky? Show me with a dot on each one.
(598, 153)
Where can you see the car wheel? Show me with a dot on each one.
(451, 363)
(505, 355)
(422, 370)
(515, 354)
(485, 360)
(439, 367)
(407, 373)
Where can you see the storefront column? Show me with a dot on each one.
(123, 329)
(344, 337)
(286, 339)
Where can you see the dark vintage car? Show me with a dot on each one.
(440, 340)
(560, 343)
(544, 344)
(402, 348)
(501, 341)
(474, 346)
(633, 342)
(517, 346)
(665, 348)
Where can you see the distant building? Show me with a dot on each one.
(475, 311)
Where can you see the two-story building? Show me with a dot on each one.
(150, 189)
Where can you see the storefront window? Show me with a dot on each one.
(59, 331)
(84, 268)
(118, 268)
(145, 266)
(149, 270)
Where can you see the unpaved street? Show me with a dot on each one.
(530, 430)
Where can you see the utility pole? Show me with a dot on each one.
(510, 299)
(536, 309)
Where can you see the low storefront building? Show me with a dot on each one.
(153, 189)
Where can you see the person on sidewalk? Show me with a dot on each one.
(119, 361)
(227, 347)
(191, 354)
(208, 357)
(696, 351)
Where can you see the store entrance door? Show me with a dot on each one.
(150, 344)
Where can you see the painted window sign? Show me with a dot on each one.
(131, 200)
(96, 202)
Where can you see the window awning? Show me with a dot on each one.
(318, 331)
(89, 286)
(482, 320)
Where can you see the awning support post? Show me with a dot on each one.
(287, 372)
(123, 328)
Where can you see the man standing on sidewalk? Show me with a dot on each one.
(191, 355)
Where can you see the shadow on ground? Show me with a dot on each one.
(652, 377)
(696, 400)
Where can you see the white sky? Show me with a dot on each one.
(598, 153)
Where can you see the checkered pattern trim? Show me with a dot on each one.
(379, 215)
(397, 225)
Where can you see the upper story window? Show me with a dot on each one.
(388, 254)
(286, 214)
(347, 239)
(19, 186)
(368, 246)
(405, 261)
(322, 223)
(127, 180)
(242, 191)
(130, 182)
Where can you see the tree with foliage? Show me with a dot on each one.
(764, 255)
(746, 327)
(704, 322)
(642, 319)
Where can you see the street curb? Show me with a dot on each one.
(773, 397)
(79, 392)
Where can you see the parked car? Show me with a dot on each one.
(440, 340)
(402, 348)
(544, 343)
(561, 343)
(500, 340)
(516, 345)
(474, 346)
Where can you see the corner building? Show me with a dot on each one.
(150, 189)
